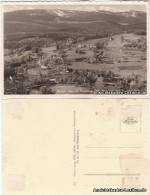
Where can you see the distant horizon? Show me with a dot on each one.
(87, 8)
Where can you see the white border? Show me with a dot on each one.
(73, 96)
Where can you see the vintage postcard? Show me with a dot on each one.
(70, 147)
(75, 49)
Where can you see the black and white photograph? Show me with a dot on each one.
(96, 49)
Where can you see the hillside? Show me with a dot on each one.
(47, 21)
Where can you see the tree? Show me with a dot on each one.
(43, 89)
(122, 39)
(8, 71)
(50, 91)
(96, 55)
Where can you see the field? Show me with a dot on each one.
(123, 62)
(114, 63)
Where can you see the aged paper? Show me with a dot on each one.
(75, 49)
(81, 51)
(75, 146)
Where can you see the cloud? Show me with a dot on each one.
(85, 8)
(29, 8)
(9, 8)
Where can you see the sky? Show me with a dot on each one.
(113, 8)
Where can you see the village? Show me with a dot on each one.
(78, 66)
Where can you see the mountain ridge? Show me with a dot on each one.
(55, 20)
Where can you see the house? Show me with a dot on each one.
(44, 67)
(54, 81)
